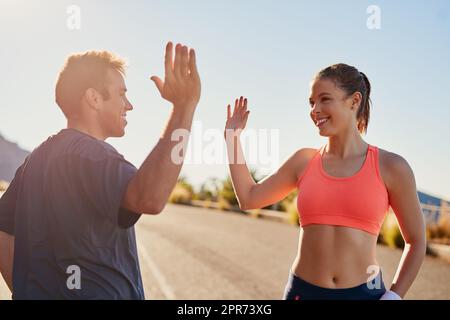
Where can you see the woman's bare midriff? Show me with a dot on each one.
(335, 257)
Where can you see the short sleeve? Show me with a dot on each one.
(8, 203)
(104, 183)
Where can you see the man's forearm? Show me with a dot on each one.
(158, 174)
(6, 257)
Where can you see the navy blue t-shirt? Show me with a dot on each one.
(64, 209)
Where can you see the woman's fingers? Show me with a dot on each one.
(242, 105)
(245, 118)
(239, 111)
(237, 106)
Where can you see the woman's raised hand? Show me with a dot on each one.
(237, 120)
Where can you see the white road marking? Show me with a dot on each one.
(5, 294)
(160, 279)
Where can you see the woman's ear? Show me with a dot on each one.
(356, 100)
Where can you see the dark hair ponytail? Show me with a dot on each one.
(349, 79)
(363, 114)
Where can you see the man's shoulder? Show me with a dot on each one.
(70, 142)
(95, 150)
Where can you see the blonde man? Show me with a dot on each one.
(71, 207)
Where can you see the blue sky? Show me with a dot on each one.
(265, 50)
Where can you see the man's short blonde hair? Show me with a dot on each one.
(82, 71)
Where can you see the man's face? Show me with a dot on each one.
(112, 113)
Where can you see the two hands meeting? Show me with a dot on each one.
(182, 88)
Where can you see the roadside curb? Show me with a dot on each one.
(440, 250)
(256, 213)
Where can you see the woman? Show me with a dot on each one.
(345, 189)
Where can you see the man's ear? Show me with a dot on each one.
(93, 98)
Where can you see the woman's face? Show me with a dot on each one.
(331, 109)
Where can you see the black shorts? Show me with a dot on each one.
(299, 289)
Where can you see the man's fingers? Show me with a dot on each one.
(184, 68)
(193, 64)
(177, 61)
(168, 59)
(159, 83)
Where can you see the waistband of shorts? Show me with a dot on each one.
(363, 286)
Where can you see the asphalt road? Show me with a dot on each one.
(195, 253)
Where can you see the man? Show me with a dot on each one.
(71, 208)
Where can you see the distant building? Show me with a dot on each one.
(433, 207)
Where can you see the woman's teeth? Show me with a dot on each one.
(322, 121)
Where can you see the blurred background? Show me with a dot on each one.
(267, 51)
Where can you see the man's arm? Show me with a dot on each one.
(6, 257)
(7, 225)
(150, 188)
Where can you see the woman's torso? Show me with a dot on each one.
(337, 256)
(334, 256)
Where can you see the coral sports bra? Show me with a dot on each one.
(360, 201)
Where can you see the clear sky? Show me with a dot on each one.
(265, 50)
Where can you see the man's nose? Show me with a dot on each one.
(129, 106)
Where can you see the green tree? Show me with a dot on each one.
(209, 190)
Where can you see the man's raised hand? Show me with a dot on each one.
(181, 84)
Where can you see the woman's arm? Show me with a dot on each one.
(270, 190)
(404, 201)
